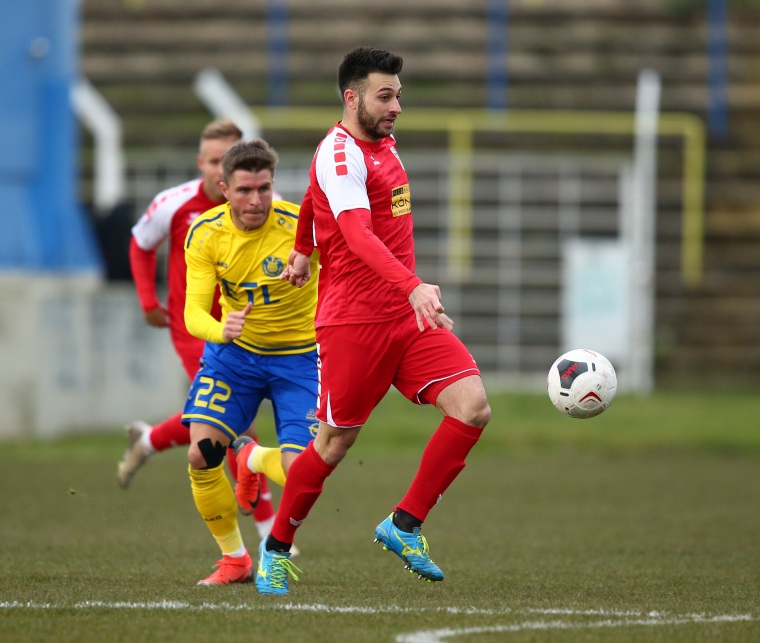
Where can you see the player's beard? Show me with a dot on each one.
(369, 125)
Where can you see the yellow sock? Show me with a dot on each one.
(267, 460)
(215, 501)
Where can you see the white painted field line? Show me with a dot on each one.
(436, 636)
(611, 617)
(608, 618)
(258, 607)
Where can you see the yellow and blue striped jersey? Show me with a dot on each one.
(247, 267)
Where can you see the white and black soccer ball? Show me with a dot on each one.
(581, 383)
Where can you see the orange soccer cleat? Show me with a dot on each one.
(230, 570)
(247, 489)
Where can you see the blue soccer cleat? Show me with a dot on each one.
(272, 574)
(412, 548)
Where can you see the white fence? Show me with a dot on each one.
(83, 359)
(77, 357)
(505, 235)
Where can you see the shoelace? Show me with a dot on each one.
(280, 568)
(425, 559)
(422, 544)
(423, 541)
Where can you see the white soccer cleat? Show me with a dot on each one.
(136, 454)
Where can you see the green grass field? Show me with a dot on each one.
(642, 524)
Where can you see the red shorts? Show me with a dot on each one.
(359, 362)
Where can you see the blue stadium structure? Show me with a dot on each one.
(46, 228)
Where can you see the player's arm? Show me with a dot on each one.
(199, 321)
(356, 226)
(298, 270)
(199, 295)
(143, 266)
(199, 299)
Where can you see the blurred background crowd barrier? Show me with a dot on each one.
(582, 174)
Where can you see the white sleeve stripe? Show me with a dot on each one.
(342, 173)
(155, 223)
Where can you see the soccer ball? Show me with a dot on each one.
(581, 383)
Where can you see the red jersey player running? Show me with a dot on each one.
(169, 217)
(377, 323)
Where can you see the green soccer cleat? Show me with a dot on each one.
(412, 548)
(272, 574)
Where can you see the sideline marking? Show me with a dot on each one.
(436, 636)
(609, 618)
(246, 607)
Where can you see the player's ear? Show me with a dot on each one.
(350, 98)
(225, 191)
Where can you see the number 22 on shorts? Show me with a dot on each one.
(211, 393)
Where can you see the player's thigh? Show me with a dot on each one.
(432, 360)
(226, 391)
(293, 391)
(356, 368)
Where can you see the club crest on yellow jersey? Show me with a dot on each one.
(272, 266)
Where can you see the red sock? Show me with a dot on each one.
(170, 433)
(442, 460)
(232, 463)
(264, 509)
(306, 478)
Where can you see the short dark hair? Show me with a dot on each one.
(358, 64)
(252, 156)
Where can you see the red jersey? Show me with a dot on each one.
(347, 174)
(169, 217)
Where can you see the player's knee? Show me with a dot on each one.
(466, 400)
(286, 459)
(206, 454)
(332, 444)
(480, 412)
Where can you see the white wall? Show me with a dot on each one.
(76, 356)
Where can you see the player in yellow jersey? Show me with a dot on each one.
(263, 347)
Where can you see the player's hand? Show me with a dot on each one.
(444, 321)
(426, 301)
(233, 325)
(157, 317)
(298, 270)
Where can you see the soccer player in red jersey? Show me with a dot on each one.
(168, 218)
(377, 323)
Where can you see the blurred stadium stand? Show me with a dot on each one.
(144, 55)
(580, 55)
